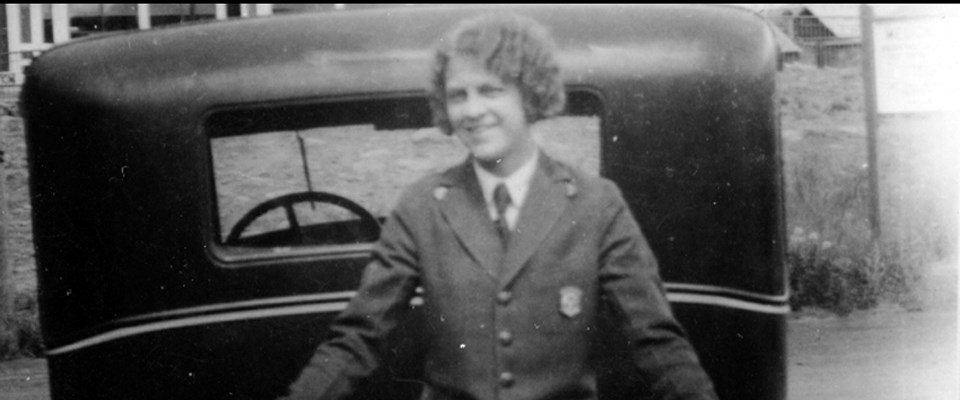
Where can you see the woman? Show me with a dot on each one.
(521, 258)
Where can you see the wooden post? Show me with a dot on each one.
(61, 23)
(220, 10)
(143, 16)
(36, 23)
(14, 37)
(870, 102)
(819, 47)
(262, 10)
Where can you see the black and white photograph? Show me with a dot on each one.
(479, 201)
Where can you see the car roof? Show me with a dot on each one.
(388, 50)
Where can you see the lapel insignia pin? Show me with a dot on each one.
(571, 301)
(571, 189)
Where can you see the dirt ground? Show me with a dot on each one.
(882, 354)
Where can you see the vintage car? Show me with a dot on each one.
(205, 197)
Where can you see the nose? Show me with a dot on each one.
(473, 106)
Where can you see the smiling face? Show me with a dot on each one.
(487, 115)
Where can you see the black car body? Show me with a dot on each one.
(145, 148)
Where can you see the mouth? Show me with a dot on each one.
(477, 129)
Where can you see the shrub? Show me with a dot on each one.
(827, 192)
(838, 106)
(20, 332)
(842, 280)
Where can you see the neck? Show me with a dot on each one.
(504, 167)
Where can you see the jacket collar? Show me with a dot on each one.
(463, 174)
(464, 209)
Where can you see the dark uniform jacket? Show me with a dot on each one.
(528, 331)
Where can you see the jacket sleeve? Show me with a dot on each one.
(631, 285)
(352, 352)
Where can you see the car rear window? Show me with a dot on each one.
(319, 172)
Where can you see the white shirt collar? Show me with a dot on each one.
(517, 184)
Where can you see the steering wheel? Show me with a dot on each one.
(369, 227)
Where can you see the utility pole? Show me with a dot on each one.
(870, 98)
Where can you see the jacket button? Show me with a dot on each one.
(504, 297)
(506, 338)
(506, 379)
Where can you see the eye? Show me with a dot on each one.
(491, 90)
(456, 95)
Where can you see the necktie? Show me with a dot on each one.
(501, 199)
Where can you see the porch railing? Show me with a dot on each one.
(25, 44)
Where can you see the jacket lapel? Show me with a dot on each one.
(464, 209)
(546, 200)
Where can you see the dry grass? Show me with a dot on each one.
(828, 195)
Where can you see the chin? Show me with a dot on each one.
(487, 157)
(483, 153)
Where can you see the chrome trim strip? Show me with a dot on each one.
(725, 290)
(199, 320)
(337, 301)
(311, 298)
(728, 303)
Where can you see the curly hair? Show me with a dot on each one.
(517, 49)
